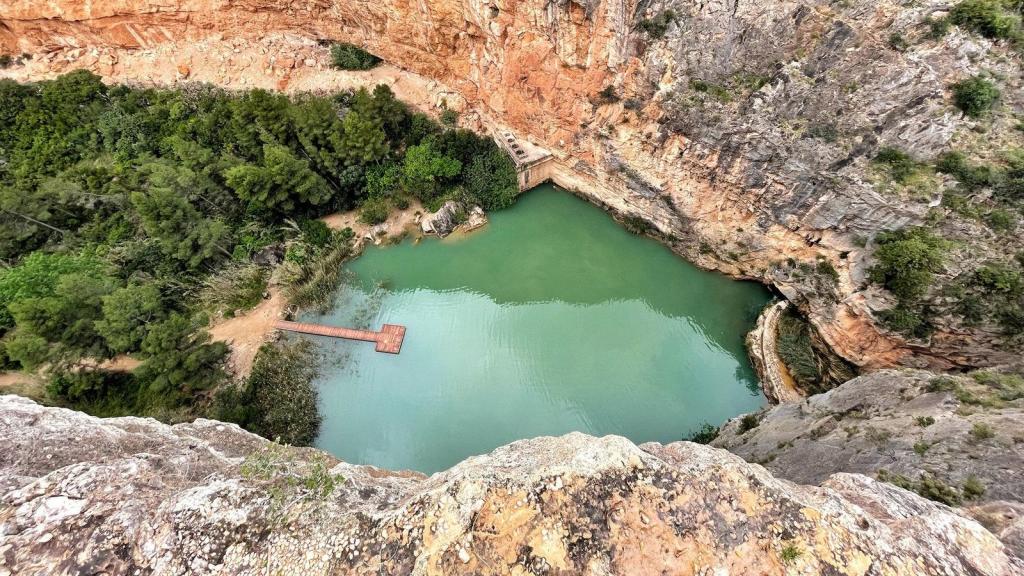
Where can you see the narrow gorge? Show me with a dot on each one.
(863, 161)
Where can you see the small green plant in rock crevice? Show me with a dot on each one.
(790, 553)
(288, 480)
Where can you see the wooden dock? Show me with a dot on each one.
(389, 339)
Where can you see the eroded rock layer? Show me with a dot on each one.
(130, 495)
(743, 131)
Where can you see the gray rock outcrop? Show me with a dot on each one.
(130, 495)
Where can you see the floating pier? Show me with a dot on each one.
(389, 339)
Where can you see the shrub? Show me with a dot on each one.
(921, 447)
(279, 399)
(938, 27)
(1001, 220)
(374, 211)
(790, 553)
(719, 93)
(607, 95)
(998, 277)
(636, 225)
(657, 27)
(449, 117)
(973, 488)
(897, 42)
(907, 260)
(345, 56)
(982, 431)
(907, 320)
(827, 132)
(924, 421)
(971, 176)
(975, 96)
(313, 284)
(237, 287)
(5, 61)
(1007, 387)
(986, 17)
(796, 352)
(749, 422)
(900, 165)
(704, 434)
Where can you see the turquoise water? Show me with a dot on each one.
(552, 318)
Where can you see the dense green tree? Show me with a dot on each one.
(363, 140)
(491, 180)
(426, 170)
(283, 183)
(259, 118)
(127, 312)
(38, 275)
(180, 360)
(65, 320)
(182, 232)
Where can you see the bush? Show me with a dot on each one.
(279, 399)
(705, 434)
(636, 225)
(449, 117)
(749, 422)
(796, 352)
(345, 56)
(897, 42)
(899, 164)
(986, 17)
(657, 27)
(374, 211)
(236, 288)
(5, 61)
(607, 95)
(1001, 220)
(973, 488)
(938, 28)
(905, 320)
(907, 260)
(975, 96)
(924, 421)
(982, 431)
(971, 176)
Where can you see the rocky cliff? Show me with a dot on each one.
(83, 495)
(955, 439)
(743, 131)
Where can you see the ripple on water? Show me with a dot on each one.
(550, 319)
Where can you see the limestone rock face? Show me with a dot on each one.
(130, 495)
(908, 423)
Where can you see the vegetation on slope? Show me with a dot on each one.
(128, 216)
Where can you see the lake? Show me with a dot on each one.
(552, 318)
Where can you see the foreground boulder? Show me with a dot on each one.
(127, 495)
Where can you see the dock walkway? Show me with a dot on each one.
(389, 339)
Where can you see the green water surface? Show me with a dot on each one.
(552, 318)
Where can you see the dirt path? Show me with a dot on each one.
(246, 332)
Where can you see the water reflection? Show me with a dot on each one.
(551, 319)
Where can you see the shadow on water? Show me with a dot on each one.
(550, 319)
